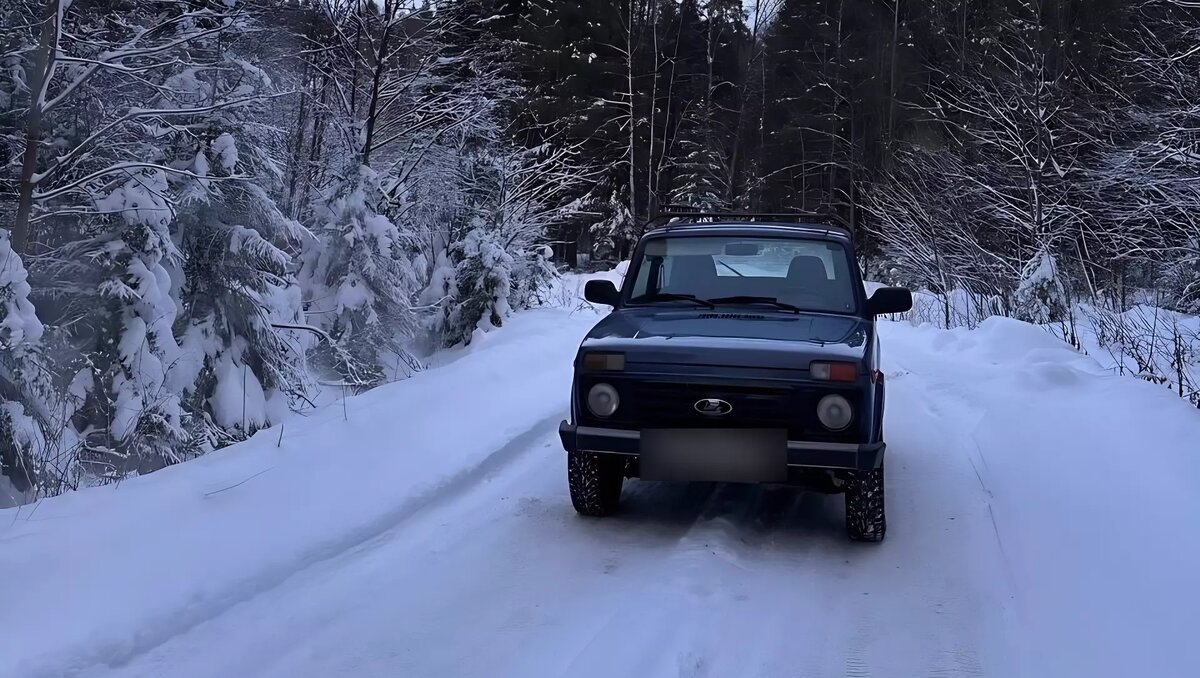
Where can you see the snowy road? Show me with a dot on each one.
(502, 579)
(1021, 542)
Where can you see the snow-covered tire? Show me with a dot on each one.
(595, 481)
(866, 519)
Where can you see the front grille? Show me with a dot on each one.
(671, 404)
(674, 404)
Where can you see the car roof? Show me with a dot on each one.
(752, 229)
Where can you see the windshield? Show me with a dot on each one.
(796, 273)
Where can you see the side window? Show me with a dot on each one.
(643, 276)
(651, 266)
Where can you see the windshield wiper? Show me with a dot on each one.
(756, 300)
(666, 296)
(739, 273)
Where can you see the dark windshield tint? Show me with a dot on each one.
(813, 275)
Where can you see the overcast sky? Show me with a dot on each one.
(768, 7)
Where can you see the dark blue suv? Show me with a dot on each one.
(738, 350)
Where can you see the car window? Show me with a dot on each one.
(810, 274)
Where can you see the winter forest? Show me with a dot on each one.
(210, 208)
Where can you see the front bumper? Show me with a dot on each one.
(800, 454)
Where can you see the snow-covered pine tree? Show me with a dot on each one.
(134, 417)
(30, 459)
(101, 188)
(483, 281)
(359, 279)
(501, 263)
(700, 179)
(472, 275)
(241, 319)
(614, 225)
(1041, 297)
(412, 111)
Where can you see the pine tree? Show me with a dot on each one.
(700, 179)
(29, 439)
(1041, 297)
(138, 370)
(358, 272)
(100, 197)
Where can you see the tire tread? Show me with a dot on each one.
(866, 516)
(595, 482)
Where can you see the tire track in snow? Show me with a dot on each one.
(858, 665)
(852, 620)
(353, 542)
(965, 439)
(736, 542)
(668, 657)
(446, 530)
(929, 419)
(669, 618)
(504, 579)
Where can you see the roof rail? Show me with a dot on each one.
(691, 215)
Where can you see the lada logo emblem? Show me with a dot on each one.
(713, 407)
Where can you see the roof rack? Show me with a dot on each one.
(691, 215)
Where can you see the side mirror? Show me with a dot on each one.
(601, 292)
(889, 300)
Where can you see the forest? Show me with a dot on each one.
(209, 207)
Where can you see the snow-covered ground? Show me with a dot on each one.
(1146, 341)
(1042, 516)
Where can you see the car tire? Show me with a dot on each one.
(595, 481)
(866, 519)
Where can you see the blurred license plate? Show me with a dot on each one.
(714, 455)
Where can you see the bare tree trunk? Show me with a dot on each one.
(315, 168)
(629, 64)
(43, 68)
(833, 114)
(803, 173)
(962, 49)
(667, 130)
(376, 79)
(651, 202)
(891, 118)
(297, 157)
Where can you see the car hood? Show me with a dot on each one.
(741, 338)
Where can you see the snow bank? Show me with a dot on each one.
(1154, 344)
(959, 308)
(568, 289)
(575, 281)
(1091, 480)
(93, 576)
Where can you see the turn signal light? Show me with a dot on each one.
(833, 371)
(604, 361)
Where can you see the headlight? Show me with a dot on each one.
(602, 400)
(835, 412)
